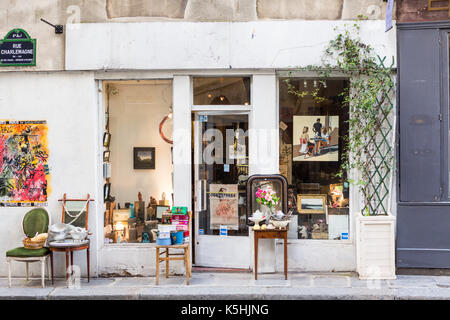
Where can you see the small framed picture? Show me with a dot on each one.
(311, 203)
(106, 139)
(144, 158)
(106, 191)
(106, 156)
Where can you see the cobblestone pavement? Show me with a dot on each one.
(227, 286)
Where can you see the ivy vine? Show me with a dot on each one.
(367, 148)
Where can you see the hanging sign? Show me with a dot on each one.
(17, 49)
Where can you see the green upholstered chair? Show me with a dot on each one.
(35, 221)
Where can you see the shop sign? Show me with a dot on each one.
(17, 49)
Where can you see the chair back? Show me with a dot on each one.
(35, 221)
(76, 211)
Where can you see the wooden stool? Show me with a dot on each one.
(167, 256)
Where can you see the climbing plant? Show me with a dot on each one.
(368, 148)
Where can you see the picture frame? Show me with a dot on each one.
(160, 210)
(311, 203)
(106, 191)
(106, 139)
(106, 155)
(143, 158)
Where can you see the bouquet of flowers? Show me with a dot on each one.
(267, 197)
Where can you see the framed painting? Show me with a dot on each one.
(144, 158)
(311, 203)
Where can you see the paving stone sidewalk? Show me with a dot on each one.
(234, 286)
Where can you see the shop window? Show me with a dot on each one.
(313, 124)
(221, 90)
(138, 167)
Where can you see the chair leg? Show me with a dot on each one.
(8, 261)
(167, 262)
(48, 267)
(186, 263)
(157, 266)
(43, 271)
(26, 268)
(51, 265)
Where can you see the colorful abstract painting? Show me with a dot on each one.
(24, 173)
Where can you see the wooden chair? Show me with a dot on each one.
(80, 221)
(35, 221)
(167, 256)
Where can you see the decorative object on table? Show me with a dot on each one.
(268, 200)
(106, 139)
(75, 214)
(163, 201)
(24, 167)
(257, 217)
(277, 183)
(311, 203)
(143, 158)
(280, 220)
(58, 231)
(35, 225)
(78, 234)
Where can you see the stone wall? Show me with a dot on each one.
(26, 14)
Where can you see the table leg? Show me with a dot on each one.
(71, 262)
(88, 263)
(256, 255)
(285, 256)
(67, 264)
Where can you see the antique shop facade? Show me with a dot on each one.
(216, 82)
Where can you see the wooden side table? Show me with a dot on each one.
(270, 234)
(69, 246)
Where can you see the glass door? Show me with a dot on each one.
(221, 171)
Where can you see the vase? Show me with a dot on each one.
(268, 212)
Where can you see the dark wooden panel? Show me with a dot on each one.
(418, 10)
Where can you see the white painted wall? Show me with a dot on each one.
(211, 45)
(136, 111)
(67, 101)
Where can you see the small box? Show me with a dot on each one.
(179, 210)
(182, 227)
(163, 202)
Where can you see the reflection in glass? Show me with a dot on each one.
(313, 125)
(221, 91)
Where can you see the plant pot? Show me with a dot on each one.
(375, 247)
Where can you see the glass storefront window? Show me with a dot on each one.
(313, 124)
(221, 90)
(138, 187)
